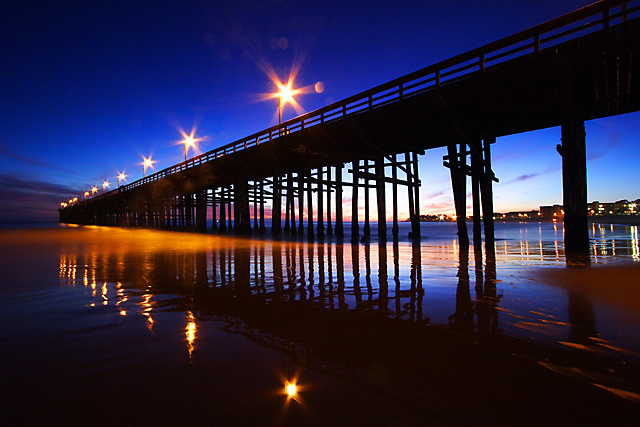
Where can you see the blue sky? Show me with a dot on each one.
(88, 88)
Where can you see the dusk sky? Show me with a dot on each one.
(88, 88)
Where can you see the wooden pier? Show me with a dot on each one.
(305, 175)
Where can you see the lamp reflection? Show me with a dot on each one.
(417, 282)
(190, 333)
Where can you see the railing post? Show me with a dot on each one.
(437, 78)
(623, 9)
(605, 16)
(481, 59)
(401, 90)
(536, 43)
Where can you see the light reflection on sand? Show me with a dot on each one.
(147, 291)
(426, 282)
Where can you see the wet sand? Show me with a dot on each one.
(617, 286)
(141, 326)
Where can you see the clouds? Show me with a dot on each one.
(30, 200)
(31, 161)
(525, 177)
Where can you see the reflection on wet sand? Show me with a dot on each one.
(365, 315)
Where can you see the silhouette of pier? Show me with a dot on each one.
(574, 68)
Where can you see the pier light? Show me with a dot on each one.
(147, 163)
(75, 200)
(286, 94)
(105, 184)
(94, 190)
(189, 141)
(86, 194)
(121, 176)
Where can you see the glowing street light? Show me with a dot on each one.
(147, 163)
(94, 190)
(86, 194)
(286, 94)
(121, 176)
(105, 184)
(189, 141)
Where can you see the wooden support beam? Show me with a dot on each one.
(261, 229)
(411, 194)
(230, 224)
(320, 184)
(487, 197)
(223, 212)
(300, 203)
(394, 176)
(381, 199)
(287, 206)
(366, 231)
(355, 229)
(415, 225)
(214, 224)
(201, 210)
(339, 225)
(329, 186)
(574, 187)
(458, 183)
(477, 168)
(292, 204)
(276, 210)
(310, 231)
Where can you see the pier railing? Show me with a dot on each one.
(603, 16)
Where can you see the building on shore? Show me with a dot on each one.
(554, 212)
(621, 207)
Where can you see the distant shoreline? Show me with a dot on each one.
(600, 219)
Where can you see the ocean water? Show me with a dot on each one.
(103, 324)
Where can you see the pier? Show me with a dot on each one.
(566, 71)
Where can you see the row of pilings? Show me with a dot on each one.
(311, 202)
(241, 205)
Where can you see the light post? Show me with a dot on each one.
(146, 164)
(286, 94)
(94, 190)
(105, 184)
(86, 194)
(121, 176)
(189, 141)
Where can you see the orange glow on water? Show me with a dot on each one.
(190, 333)
(291, 389)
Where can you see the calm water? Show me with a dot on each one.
(111, 324)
